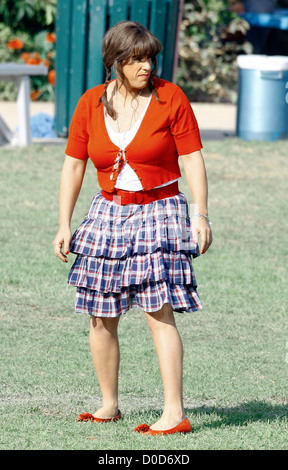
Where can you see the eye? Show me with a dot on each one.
(141, 59)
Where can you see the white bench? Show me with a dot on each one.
(20, 74)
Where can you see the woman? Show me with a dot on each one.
(135, 245)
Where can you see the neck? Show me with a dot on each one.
(128, 92)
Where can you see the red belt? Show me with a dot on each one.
(122, 197)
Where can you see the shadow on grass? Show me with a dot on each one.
(213, 417)
(241, 415)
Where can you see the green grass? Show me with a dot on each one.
(235, 369)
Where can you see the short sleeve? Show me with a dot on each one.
(78, 135)
(184, 126)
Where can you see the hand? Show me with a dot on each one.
(201, 226)
(62, 239)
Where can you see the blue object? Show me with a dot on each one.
(278, 19)
(42, 125)
(262, 6)
(262, 112)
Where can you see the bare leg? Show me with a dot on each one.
(106, 357)
(169, 350)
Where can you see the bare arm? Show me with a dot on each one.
(70, 184)
(195, 173)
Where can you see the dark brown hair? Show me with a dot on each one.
(124, 40)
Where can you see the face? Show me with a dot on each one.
(136, 72)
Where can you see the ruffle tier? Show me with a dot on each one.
(115, 231)
(149, 297)
(110, 275)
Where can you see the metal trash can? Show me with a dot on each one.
(262, 110)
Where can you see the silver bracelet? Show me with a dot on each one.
(203, 217)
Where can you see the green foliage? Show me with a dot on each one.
(210, 39)
(31, 15)
(30, 22)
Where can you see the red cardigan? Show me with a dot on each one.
(169, 129)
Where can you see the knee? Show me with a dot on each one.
(162, 317)
(104, 326)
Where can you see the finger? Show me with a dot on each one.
(62, 257)
(58, 252)
(66, 247)
(203, 244)
(206, 241)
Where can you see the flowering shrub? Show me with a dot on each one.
(26, 37)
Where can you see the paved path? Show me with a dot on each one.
(216, 121)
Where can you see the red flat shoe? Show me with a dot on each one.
(89, 417)
(184, 426)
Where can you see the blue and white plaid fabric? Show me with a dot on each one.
(134, 255)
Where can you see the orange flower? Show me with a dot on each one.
(35, 95)
(15, 44)
(50, 55)
(52, 77)
(32, 60)
(51, 37)
(24, 56)
(46, 62)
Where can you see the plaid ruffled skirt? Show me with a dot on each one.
(134, 256)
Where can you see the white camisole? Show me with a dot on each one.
(127, 178)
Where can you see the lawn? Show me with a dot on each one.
(236, 348)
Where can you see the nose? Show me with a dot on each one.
(146, 64)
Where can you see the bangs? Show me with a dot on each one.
(142, 44)
(146, 46)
